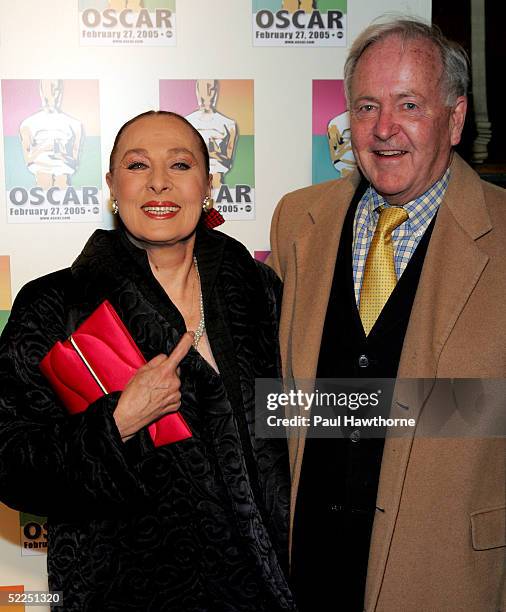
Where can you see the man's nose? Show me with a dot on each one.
(386, 125)
(159, 178)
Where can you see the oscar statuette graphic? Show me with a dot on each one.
(218, 131)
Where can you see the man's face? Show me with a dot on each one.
(402, 132)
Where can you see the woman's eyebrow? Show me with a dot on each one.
(135, 151)
(180, 150)
(173, 150)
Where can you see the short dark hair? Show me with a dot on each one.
(163, 113)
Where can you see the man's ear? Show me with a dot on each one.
(457, 119)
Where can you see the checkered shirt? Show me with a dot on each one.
(405, 238)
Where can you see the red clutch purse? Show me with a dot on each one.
(98, 358)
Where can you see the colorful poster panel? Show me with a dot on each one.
(222, 111)
(107, 23)
(332, 154)
(299, 23)
(52, 150)
(8, 594)
(33, 533)
(5, 290)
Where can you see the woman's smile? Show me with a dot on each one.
(160, 210)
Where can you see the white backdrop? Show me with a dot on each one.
(39, 39)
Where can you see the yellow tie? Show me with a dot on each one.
(379, 275)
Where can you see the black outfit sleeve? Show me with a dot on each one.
(50, 462)
(274, 289)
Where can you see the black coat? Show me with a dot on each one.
(198, 525)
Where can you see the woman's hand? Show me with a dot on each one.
(152, 392)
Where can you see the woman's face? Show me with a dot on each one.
(159, 179)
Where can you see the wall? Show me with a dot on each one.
(41, 40)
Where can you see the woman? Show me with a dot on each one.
(199, 524)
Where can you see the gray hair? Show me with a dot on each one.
(455, 78)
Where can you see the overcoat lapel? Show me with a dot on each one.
(452, 267)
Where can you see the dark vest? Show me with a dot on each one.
(336, 500)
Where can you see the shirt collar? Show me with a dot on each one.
(420, 210)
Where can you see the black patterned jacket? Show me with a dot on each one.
(199, 525)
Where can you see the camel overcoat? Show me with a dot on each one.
(439, 534)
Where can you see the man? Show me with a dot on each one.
(407, 523)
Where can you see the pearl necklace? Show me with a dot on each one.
(199, 332)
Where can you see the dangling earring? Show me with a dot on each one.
(212, 218)
(115, 207)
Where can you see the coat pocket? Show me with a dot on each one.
(488, 528)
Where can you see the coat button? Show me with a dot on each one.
(363, 362)
(355, 435)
